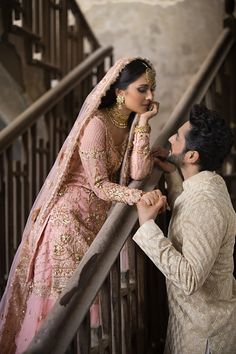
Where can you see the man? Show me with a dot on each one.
(197, 256)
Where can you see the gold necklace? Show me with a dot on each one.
(119, 120)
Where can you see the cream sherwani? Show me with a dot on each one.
(197, 260)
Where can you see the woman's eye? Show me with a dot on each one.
(142, 89)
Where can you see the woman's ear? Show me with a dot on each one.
(119, 92)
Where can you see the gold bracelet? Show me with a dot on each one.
(142, 129)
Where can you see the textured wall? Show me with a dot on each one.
(175, 38)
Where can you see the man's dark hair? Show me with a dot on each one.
(210, 136)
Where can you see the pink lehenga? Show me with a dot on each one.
(68, 213)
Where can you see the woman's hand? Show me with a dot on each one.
(144, 117)
(160, 155)
(151, 198)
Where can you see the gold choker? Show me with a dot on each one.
(119, 120)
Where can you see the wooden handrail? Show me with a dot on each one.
(51, 97)
(75, 301)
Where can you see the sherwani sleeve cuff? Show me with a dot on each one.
(155, 245)
(148, 234)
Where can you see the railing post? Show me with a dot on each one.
(230, 22)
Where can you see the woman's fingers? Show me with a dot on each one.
(152, 111)
(151, 198)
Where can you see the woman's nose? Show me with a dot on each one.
(149, 95)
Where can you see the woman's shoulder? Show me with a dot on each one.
(97, 123)
(99, 118)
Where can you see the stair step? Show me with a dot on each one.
(47, 66)
(24, 32)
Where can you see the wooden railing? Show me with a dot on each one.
(29, 146)
(125, 320)
(56, 34)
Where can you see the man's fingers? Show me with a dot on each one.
(152, 197)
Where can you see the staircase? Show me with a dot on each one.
(41, 42)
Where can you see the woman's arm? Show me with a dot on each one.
(94, 158)
(141, 161)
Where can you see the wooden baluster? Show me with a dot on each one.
(26, 205)
(141, 309)
(85, 335)
(27, 14)
(63, 36)
(80, 41)
(133, 294)
(125, 313)
(50, 124)
(36, 17)
(224, 77)
(230, 22)
(17, 203)
(3, 243)
(115, 307)
(46, 37)
(105, 314)
(100, 71)
(32, 164)
(41, 164)
(9, 206)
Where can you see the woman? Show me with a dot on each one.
(73, 203)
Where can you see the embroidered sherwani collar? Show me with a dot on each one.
(199, 178)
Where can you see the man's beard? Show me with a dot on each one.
(176, 160)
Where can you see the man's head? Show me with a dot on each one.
(204, 141)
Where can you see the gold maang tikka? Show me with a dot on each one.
(150, 76)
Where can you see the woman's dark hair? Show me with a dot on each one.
(210, 136)
(129, 74)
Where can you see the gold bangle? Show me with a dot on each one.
(142, 129)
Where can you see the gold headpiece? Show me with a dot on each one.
(150, 76)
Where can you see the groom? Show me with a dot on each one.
(197, 256)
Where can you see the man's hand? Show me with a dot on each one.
(147, 210)
(160, 155)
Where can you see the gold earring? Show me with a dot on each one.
(120, 100)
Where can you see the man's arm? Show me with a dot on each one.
(202, 234)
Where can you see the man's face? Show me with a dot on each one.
(177, 142)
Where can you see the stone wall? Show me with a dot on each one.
(176, 35)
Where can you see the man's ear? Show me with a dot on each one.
(192, 156)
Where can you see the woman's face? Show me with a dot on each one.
(138, 95)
